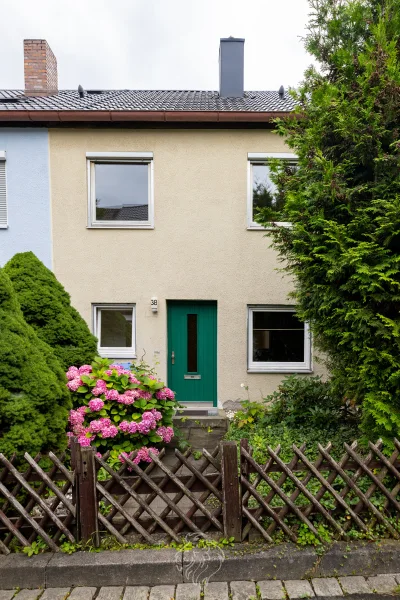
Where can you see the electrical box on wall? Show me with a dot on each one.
(154, 304)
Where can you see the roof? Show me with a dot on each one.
(150, 100)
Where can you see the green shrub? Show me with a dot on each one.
(34, 401)
(302, 400)
(303, 409)
(47, 307)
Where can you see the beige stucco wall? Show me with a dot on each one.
(200, 248)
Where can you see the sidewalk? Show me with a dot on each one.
(360, 588)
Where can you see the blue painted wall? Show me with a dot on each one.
(28, 194)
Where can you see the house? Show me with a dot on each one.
(150, 196)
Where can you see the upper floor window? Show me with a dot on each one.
(114, 326)
(278, 340)
(3, 191)
(120, 189)
(262, 192)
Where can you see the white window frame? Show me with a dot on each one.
(277, 367)
(118, 157)
(113, 352)
(3, 191)
(254, 158)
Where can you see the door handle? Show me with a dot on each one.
(173, 357)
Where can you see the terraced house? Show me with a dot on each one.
(142, 204)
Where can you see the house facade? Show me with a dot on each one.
(153, 234)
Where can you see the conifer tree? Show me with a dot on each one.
(34, 399)
(343, 202)
(47, 307)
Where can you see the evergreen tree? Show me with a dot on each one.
(34, 400)
(47, 307)
(344, 201)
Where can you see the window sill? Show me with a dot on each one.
(106, 226)
(3, 226)
(110, 353)
(292, 370)
(261, 228)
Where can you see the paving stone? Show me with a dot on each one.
(27, 594)
(216, 591)
(110, 593)
(162, 592)
(137, 592)
(7, 594)
(298, 588)
(82, 593)
(382, 584)
(326, 586)
(55, 594)
(355, 585)
(188, 591)
(243, 590)
(271, 590)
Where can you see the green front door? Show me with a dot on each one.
(192, 350)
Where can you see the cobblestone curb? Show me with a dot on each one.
(170, 567)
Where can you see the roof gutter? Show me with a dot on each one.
(118, 116)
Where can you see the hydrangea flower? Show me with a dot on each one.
(74, 384)
(100, 388)
(96, 404)
(109, 432)
(165, 394)
(72, 373)
(112, 394)
(85, 370)
(166, 433)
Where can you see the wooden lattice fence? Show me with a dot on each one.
(353, 492)
(225, 493)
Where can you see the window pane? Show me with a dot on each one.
(192, 343)
(277, 337)
(116, 328)
(276, 320)
(121, 192)
(264, 190)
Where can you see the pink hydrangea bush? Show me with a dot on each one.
(128, 412)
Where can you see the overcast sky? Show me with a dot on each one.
(155, 44)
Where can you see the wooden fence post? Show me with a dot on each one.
(75, 494)
(232, 501)
(86, 495)
(244, 467)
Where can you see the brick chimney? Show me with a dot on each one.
(40, 69)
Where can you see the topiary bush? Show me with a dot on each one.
(47, 307)
(120, 410)
(34, 402)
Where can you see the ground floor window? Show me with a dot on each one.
(114, 326)
(277, 340)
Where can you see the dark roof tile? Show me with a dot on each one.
(152, 100)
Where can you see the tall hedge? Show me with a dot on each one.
(343, 247)
(47, 307)
(34, 400)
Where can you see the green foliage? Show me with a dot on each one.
(343, 201)
(47, 308)
(37, 547)
(34, 401)
(306, 537)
